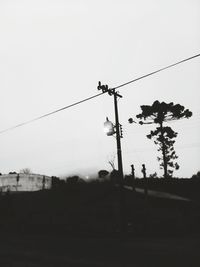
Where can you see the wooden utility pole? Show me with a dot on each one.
(118, 131)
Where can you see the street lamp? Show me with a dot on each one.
(109, 128)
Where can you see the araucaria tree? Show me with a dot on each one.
(160, 113)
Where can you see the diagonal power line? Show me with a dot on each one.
(94, 96)
(154, 72)
(50, 113)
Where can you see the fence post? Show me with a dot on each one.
(145, 181)
(133, 177)
(17, 180)
(43, 182)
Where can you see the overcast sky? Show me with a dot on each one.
(54, 52)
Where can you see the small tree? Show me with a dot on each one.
(25, 171)
(72, 179)
(103, 173)
(111, 161)
(153, 175)
(160, 113)
(196, 176)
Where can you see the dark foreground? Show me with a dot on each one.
(78, 225)
(49, 251)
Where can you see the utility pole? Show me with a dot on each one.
(104, 88)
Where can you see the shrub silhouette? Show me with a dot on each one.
(72, 179)
(103, 173)
(196, 176)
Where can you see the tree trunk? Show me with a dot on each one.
(163, 152)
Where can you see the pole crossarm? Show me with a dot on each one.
(105, 89)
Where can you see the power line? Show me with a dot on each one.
(94, 96)
(154, 72)
(51, 113)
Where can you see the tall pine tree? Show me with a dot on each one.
(164, 136)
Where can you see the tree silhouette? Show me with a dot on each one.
(26, 171)
(103, 173)
(159, 113)
(72, 179)
(196, 176)
(111, 161)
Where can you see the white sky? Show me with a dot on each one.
(53, 53)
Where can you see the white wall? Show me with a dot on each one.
(27, 182)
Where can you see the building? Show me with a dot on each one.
(17, 182)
